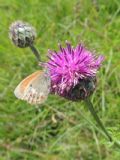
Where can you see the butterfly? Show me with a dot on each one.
(34, 88)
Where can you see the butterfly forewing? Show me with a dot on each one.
(34, 88)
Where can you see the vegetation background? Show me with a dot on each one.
(60, 129)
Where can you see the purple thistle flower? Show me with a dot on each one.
(73, 71)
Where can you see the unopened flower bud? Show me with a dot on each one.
(22, 34)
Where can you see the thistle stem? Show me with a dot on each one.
(35, 52)
(94, 114)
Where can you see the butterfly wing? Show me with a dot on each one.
(34, 89)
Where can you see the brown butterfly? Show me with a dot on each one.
(35, 88)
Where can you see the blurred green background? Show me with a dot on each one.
(60, 129)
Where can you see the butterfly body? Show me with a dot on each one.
(34, 89)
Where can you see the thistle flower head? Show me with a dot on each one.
(73, 71)
(22, 34)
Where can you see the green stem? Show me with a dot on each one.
(94, 114)
(35, 52)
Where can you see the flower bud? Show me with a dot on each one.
(22, 34)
